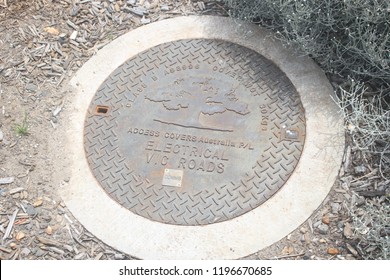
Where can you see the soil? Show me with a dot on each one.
(37, 59)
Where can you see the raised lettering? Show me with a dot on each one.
(176, 149)
(211, 166)
(150, 145)
(149, 157)
(207, 153)
(168, 148)
(220, 168)
(194, 152)
(201, 166)
(223, 154)
(164, 160)
(216, 155)
(182, 163)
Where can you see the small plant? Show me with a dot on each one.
(22, 129)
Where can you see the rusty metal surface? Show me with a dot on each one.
(194, 132)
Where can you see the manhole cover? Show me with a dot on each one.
(194, 132)
(188, 147)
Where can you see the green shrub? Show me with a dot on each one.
(345, 37)
(349, 39)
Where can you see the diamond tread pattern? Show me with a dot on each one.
(119, 178)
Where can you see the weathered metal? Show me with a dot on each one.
(194, 132)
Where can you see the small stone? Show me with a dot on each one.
(316, 224)
(119, 256)
(1, 136)
(164, 8)
(31, 211)
(335, 207)
(348, 233)
(117, 8)
(340, 226)
(13, 245)
(31, 87)
(20, 235)
(39, 253)
(43, 225)
(360, 169)
(323, 229)
(145, 20)
(325, 219)
(73, 36)
(62, 38)
(333, 251)
(303, 230)
(59, 219)
(25, 251)
(46, 218)
(49, 230)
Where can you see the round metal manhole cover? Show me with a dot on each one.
(194, 132)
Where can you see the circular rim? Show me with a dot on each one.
(302, 194)
(130, 166)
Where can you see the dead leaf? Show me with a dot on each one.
(38, 202)
(325, 219)
(49, 230)
(333, 251)
(52, 30)
(348, 233)
(287, 250)
(20, 235)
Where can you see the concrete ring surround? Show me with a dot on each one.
(302, 194)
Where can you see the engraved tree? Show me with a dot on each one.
(201, 98)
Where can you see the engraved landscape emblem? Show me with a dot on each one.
(203, 98)
(194, 132)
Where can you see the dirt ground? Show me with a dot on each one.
(39, 53)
